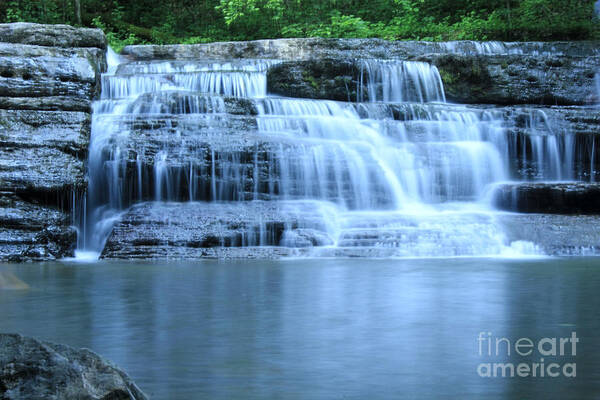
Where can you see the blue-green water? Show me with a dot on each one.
(317, 329)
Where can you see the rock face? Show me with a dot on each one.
(316, 79)
(49, 76)
(549, 198)
(518, 79)
(31, 369)
(468, 79)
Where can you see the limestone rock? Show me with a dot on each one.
(32, 369)
(49, 76)
(52, 35)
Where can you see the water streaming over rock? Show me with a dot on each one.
(217, 162)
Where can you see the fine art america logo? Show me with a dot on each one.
(547, 354)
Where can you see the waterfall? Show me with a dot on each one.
(399, 174)
(392, 81)
(597, 91)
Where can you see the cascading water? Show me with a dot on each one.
(392, 81)
(597, 83)
(404, 174)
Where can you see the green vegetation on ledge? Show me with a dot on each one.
(190, 21)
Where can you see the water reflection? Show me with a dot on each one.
(314, 329)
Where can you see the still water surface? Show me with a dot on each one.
(317, 329)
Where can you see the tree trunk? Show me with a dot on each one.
(509, 19)
(78, 12)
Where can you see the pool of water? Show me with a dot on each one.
(319, 329)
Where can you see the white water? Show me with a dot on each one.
(349, 176)
(392, 81)
(597, 82)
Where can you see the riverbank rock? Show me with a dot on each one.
(32, 369)
(49, 76)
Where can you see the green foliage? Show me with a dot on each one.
(115, 40)
(191, 21)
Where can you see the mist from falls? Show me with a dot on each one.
(400, 174)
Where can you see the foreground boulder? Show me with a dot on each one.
(32, 369)
(49, 76)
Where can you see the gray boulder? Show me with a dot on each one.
(32, 369)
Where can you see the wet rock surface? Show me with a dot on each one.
(549, 198)
(517, 79)
(33, 369)
(316, 79)
(556, 235)
(49, 76)
(468, 79)
(194, 230)
(200, 230)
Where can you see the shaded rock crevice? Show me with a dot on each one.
(549, 198)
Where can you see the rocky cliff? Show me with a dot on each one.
(49, 75)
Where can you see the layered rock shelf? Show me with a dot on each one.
(49, 76)
(472, 72)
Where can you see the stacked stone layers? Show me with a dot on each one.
(49, 76)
